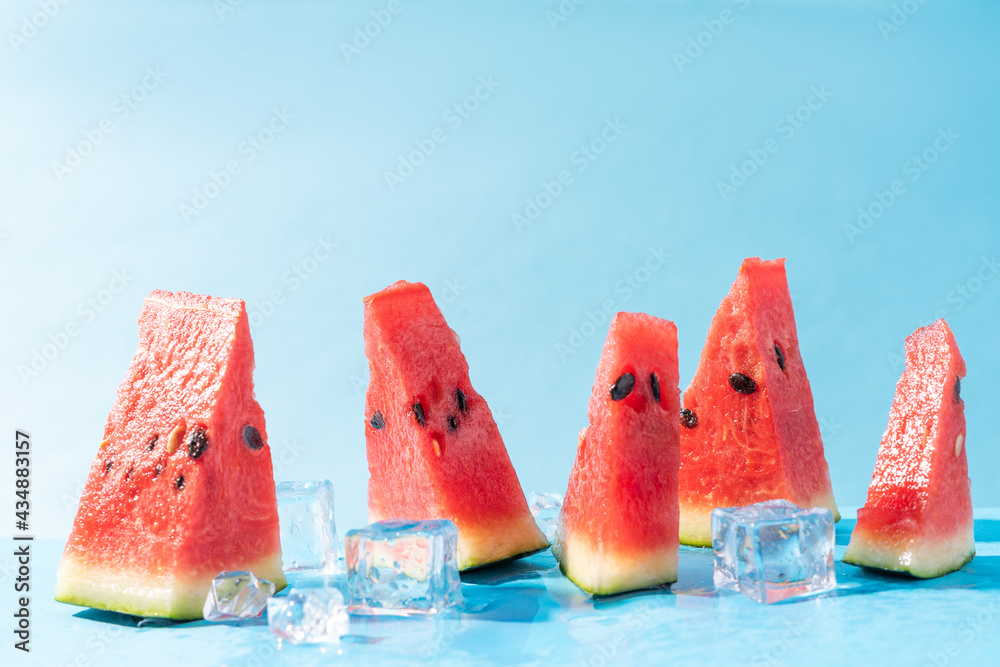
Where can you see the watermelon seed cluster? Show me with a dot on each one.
(252, 437)
(622, 387)
(198, 442)
(688, 418)
(742, 384)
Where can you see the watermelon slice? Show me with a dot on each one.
(181, 487)
(749, 430)
(918, 516)
(434, 451)
(619, 521)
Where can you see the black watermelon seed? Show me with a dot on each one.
(252, 437)
(958, 389)
(152, 443)
(742, 383)
(159, 469)
(781, 356)
(418, 412)
(180, 482)
(107, 467)
(197, 443)
(377, 421)
(688, 418)
(622, 387)
(462, 405)
(452, 423)
(654, 382)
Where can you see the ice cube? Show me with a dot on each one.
(403, 568)
(545, 508)
(773, 550)
(309, 616)
(235, 596)
(308, 532)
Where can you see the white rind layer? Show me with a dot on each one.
(142, 594)
(920, 557)
(600, 570)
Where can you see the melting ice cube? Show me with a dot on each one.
(309, 616)
(773, 550)
(403, 567)
(235, 596)
(308, 532)
(545, 508)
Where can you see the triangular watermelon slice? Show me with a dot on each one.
(619, 521)
(182, 486)
(434, 450)
(749, 429)
(918, 516)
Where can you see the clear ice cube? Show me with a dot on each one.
(773, 550)
(403, 568)
(309, 616)
(235, 596)
(308, 532)
(545, 508)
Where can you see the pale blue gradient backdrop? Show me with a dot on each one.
(511, 295)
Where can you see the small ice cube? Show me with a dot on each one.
(235, 596)
(308, 532)
(403, 567)
(545, 508)
(773, 550)
(309, 616)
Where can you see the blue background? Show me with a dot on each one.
(512, 294)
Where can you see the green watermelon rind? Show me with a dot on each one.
(918, 574)
(476, 566)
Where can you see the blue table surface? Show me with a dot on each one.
(526, 612)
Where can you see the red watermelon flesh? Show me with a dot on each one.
(918, 515)
(618, 526)
(434, 450)
(749, 428)
(182, 486)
